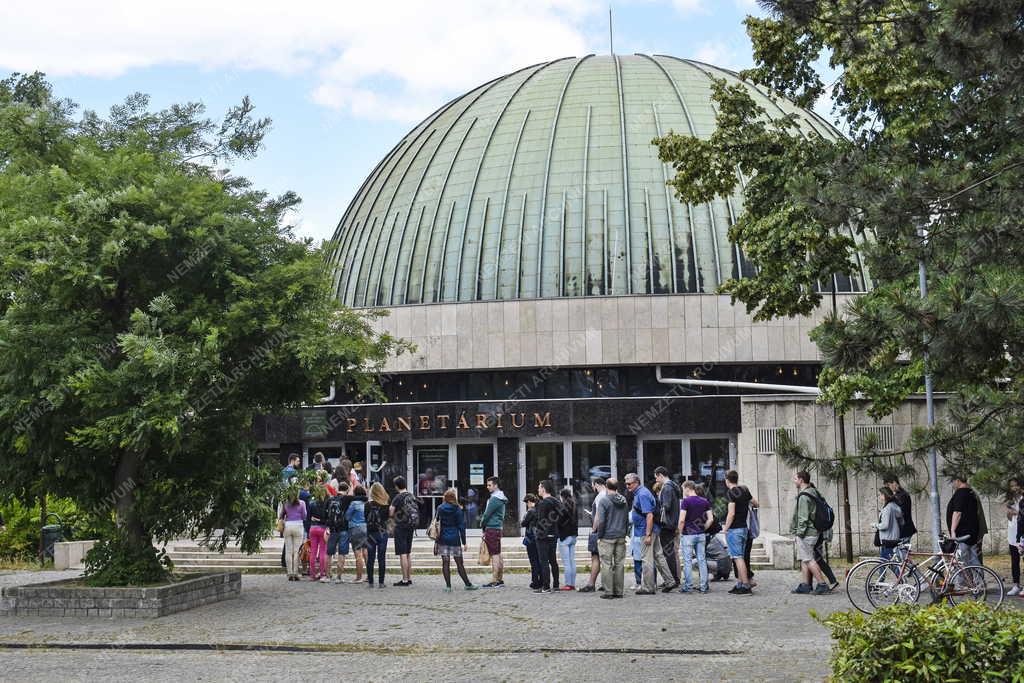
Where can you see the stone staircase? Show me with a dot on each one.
(190, 556)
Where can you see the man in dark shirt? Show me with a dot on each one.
(962, 518)
(736, 533)
(546, 531)
(669, 534)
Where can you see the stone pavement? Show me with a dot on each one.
(422, 633)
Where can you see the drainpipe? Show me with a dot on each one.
(785, 388)
(329, 397)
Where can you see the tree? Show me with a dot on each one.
(151, 303)
(931, 96)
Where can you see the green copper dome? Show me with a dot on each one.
(544, 183)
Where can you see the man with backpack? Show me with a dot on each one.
(492, 522)
(811, 518)
(405, 510)
(337, 540)
(669, 536)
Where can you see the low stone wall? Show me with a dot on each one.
(58, 599)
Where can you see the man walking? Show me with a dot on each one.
(669, 497)
(611, 524)
(735, 528)
(802, 527)
(647, 527)
(548, 514)
(593, 548)
(405, 510)
(695, 517)
(291, 470)
(492, 522)
(962, 518)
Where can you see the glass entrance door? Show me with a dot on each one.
(544, 460)
(431, 479)
(709, 461)
(474, 463)
(590, 459)
(667, 454)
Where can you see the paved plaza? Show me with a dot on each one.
(349, 632)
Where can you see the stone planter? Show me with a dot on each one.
(59, 599)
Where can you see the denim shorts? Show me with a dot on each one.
(337, 543)
(736, 539)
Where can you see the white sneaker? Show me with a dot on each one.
(636, 587)
(1014, 591)
(325, 579)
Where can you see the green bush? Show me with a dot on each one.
(114, 562)
(21, 540)
(969, 642)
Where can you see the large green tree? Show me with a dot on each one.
(930, 96)
(151, 303)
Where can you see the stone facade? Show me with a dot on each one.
(607, 330)
(814, 426)
(58, 599)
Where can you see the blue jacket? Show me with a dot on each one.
(453, 525)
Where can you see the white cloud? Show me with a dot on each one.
(393, 60)
(689, 6)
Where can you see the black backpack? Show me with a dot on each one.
(376, 517)
(824, 515)
(336, 514)
(407, 511)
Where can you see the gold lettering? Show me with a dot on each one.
(403, 422)
(385, 426)
(538, 421)
(500, 415)
(481, 420)
(424, 422)
(351, 424)
(366, 425)
(518, 424)
(463, 423)
(442, 422)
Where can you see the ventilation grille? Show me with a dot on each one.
(768, 439)
(885, 439)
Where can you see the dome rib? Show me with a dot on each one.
(525, 141)
(476, 178)
(542, 219)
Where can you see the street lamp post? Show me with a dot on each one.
(933, 460)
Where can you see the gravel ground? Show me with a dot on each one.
(422, 633)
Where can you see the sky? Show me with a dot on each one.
(342, 81)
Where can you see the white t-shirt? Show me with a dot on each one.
(1011, 526)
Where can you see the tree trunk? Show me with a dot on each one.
(845, 480)
(42, 523)
(126, 482)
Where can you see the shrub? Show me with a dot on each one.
(21, 540)
(115, 562)
(969, 642)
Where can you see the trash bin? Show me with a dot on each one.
(52, 533)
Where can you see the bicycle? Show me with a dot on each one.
(945, 574)
(856, 576)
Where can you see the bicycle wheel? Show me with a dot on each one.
(977, 583)
(855, 582)
(884, 586)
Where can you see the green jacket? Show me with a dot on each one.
(494, 513)
(803, 514)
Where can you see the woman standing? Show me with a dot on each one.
(567, 529)
(292, 512)
(889, 521)
(377, 515)
(1014, 533)
(451, 542)
(318, 570)
(356, 516)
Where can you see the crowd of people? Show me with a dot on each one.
(325, 515)
(669, 531)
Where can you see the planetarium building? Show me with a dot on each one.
(523, 238)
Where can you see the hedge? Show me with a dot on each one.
(968, 642)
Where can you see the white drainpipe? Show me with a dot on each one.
(329, 397)
(785, 388)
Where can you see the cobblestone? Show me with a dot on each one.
(422, 633)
